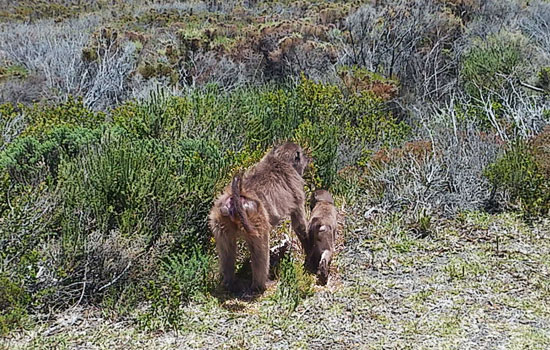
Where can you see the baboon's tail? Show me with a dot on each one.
(236, 186)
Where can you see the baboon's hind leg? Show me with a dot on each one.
(259, 259)
(226, 244)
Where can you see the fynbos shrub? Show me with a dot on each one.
(72, 113)
(518, 175)
(184, 277)
(488, 63)
(13, 304)
(29, 160)
(294, 284)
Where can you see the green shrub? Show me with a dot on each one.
(544, 79)
(319, 116)
(121, 181)
(192, 274)
(30, 160)
(23, 227)
(273, 116)
(127, 203)
(183, 278)
(203, 114)
(128, 198)
(41, 118)
(158, 117)
(487, 64)
(25, 160)
(321, 140)
(29, 168)
(518, 175)
(13, 304)
(202, 165)
(25, 232)
(323, 118)
(294, 284)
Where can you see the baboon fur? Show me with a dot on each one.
(321, 234)
(253, 204)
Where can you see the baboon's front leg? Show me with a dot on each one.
(299, 225)
(259, 259)
(226, 244)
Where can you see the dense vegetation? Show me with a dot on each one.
(121, 121)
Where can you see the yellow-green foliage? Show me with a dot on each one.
(13, 70)
(184, 277)
(487, 64)
(13, 302)
(333, 118)
(319, 116)
(143, 188)
(294, 284)
(321, 140)
(29, 10)
(518, 174)
(29, 160)
(159, 117)
(42, 118)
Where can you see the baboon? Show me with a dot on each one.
(253, 204)
(321, 234)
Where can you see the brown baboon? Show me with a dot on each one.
(321, 234)
(255, 203)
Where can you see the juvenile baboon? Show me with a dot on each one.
(255, 203)
(321, 234)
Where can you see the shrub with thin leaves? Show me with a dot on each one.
(518, 175)
(29, 160)
(335, 126)
(184, 277)
(13, 304)
(294, 284)
(154, 193)
(488, 63)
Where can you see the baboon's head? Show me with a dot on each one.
(293, 154)
(321, 196)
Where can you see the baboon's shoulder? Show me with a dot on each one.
(325, 212)
(271, 171)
